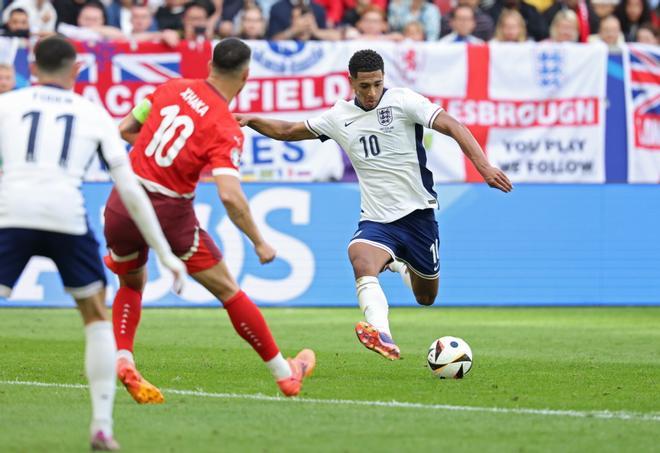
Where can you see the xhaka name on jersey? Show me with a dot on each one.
(194, 101)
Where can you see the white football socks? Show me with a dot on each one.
(100, 353)
(279, 367)
(373, 303)
(401, 268)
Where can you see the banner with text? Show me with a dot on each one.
(536, 109)
(642, 64)
(539, 245)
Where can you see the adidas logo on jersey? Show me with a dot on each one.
(193, 100)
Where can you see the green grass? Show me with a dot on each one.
(581, 359)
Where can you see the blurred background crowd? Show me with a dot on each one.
(613, 22)
(474, 21)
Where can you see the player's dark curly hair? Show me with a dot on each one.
(366, 60)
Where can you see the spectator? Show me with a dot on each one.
(300, 20)
(414, 31)
(484, 28)
(252, 24)
(355, 8)
(140, 20)
(604, 8)
(461, 20)
(231, 8)
(510, 27)
(41, 14)
(609, 33)
(230, 15)
(195, 22)
(564, 27)
(17, 26)
(536, 26)
(266, 6)
(91, 25)
(632, 14)
(7, 77)
(403, 11)
(445, 6)
(541, 5)
(168, 16)
(119, 15)
(334, 11)
(68, 10)
(587, 19)
(372, 26)
(143, 28)
(647, 34)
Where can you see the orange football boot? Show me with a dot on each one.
(377, 341)
(142, 391)
(302, 366)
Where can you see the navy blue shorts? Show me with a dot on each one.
(76, 257)
(412, 239)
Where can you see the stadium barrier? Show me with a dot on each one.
(539, 245)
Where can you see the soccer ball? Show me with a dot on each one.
(450, 357)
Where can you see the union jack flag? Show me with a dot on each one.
(645, 93)
(148, 68)
(119, 74)
(645, 79)
(106, 61)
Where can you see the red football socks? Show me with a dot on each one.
(126, 311)
(251, 325)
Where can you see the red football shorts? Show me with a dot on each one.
(127, 249)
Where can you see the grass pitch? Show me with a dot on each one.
(595, 370)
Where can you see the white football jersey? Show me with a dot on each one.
(48, 138)
(386, 149)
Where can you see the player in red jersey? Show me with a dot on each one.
(178, 130)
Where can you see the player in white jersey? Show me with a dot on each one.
(48, 137)
(381, 131)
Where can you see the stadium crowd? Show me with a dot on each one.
(170, 21)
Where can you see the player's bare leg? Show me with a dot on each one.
(368, 261)
(126, 311)
(250, 324)
(424, 289)
(99, 366)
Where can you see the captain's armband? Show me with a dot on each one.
(141, 111)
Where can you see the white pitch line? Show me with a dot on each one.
(607, 415)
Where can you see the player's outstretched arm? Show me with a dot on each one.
(238, 210)
(279, 130)
(129, 128)
(494, 177)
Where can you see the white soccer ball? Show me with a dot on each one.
(450, 357)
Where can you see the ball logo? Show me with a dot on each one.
(288, 57)
(385, 116)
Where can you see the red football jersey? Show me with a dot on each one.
(188, 128)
